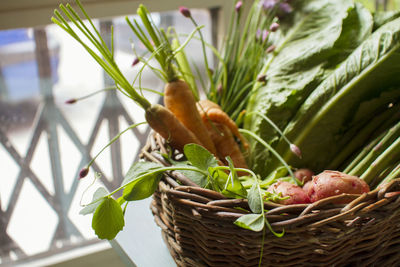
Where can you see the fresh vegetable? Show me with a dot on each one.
(179, 99)
(333, 183)
(222, 130)
(294, 194)
(246, 44)
(307, 186)
(212, 112)
(226, 144)
(304, 175)
(170, 127)
(342, 105)
(159, 118)
(178, 96)
(309, 44)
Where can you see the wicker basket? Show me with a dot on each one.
(197, 225)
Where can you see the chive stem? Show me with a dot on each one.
(273, 151)
(380, 163)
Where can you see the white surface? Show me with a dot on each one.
(141, 237)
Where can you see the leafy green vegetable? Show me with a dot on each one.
(228, 185)
(100, 193)
(108, 219)
(253, 222)
(233, 184)
(143, 187)
(138, 169)
(199, 157)
(383, 17)
(141, 180)
(329, 111)
(274, 176)
(312, 41)
(197, 177)
(255, 199)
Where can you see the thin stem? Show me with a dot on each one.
(360, 156)
(380, 163)
(271, 123)
(384, 143)
(107, 62)
(203, 46)
(90, 21)
(162, 169)
(273, 151)
(190, 37)
(115, 138)
(395, 173)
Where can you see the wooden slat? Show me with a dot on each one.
(27, 13)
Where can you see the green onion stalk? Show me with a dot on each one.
(244, 50)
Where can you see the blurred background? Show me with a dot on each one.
(45, 142)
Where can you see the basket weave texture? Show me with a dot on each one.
(197, 226)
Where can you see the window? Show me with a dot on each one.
(45, 142)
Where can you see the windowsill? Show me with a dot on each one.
(99, 254)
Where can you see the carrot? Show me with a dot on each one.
(164, 122)
(210, 111)
(220, 126)
(178, 96)
(179, 99)
(226, 145)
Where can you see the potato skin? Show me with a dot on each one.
(332, 183)
(295, 193)
(306, 186)
(304, 175)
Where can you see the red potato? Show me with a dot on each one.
(304, 175)
(295, 193)
(332, 183)
(306, 186)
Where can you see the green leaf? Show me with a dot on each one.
(142, 187)
(328, 114)
(108, 219)
(197, 177)
(100, 193)
(227, 186)
(254, 197)
(313, 40)
(140, 168)
(199, 157)
(356, 27)
(253, 222)
(383, 17)
(274, 176)
(141, 180)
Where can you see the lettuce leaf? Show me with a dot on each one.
(333, 107)
(312, 42)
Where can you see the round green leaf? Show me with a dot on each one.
(108, 219)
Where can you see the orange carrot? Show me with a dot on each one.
(179, 99)
(210, 111)
(220, 126)
(169, 127)
(226, 145)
